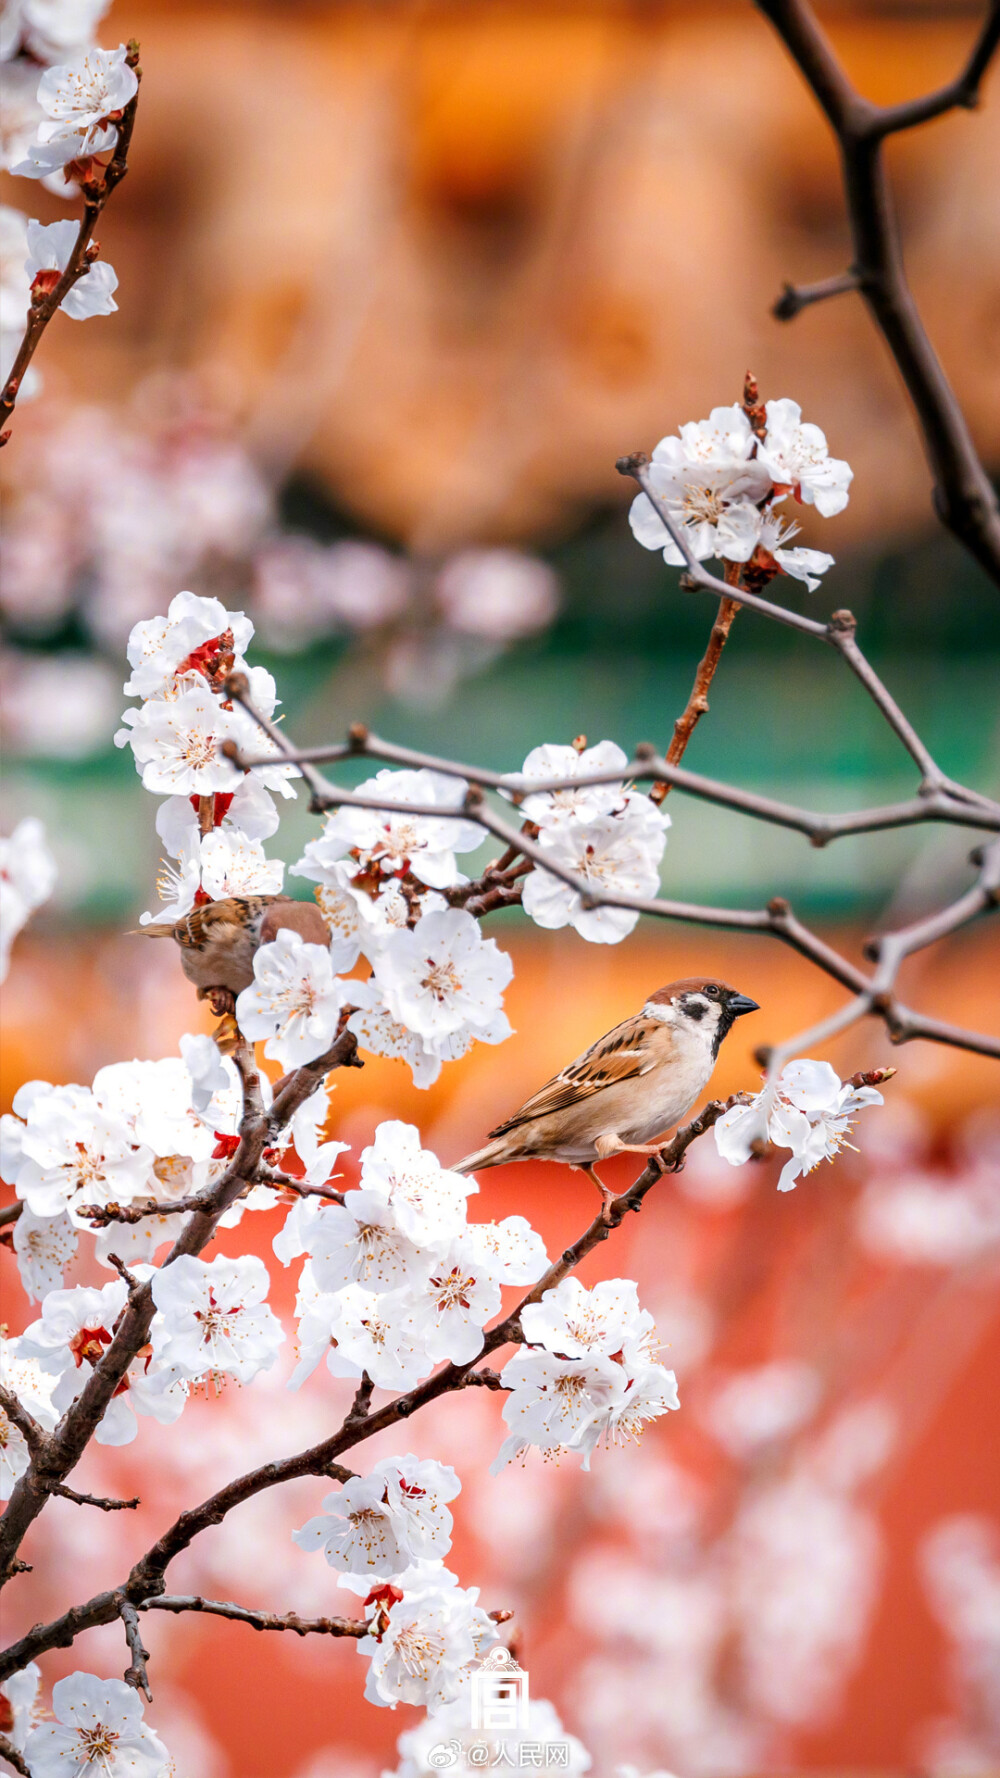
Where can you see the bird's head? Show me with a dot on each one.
(701, 1004)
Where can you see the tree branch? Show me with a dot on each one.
(135, 1674)
(44, 307)
(258, 1620)
(964, 498)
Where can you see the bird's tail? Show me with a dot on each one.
(492, 1155)
(155, 929)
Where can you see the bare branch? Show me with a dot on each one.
(14, 1759)
(96, 193)
(964, 498)
(258, 1620)
(795, 297)
(106, 1505)
(34, 1435)
(135, 1674)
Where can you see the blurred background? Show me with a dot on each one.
(398, 283)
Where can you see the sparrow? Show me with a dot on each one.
(219, 939)
(626, 1089)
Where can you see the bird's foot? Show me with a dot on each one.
(607, 1195)
(222, 1001)
(226, 1034)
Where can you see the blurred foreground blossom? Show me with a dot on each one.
(499, 594)
(960, 1567)
(27, 879)
(56, 706)
(48, 29)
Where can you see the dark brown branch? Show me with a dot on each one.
(106, 1505)
(697, 704)
(34, 1435)
(145, 1585)
(13, 1758)
(135, 1674)
(65, 1446)
(963, 496)
(44, 307)
(796, 297)
(258, 1620)
(10, 1213)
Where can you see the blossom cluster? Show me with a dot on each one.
(807, 1109)
(588, 1372)
(66, 130)
(721, 485)
(396, 1279)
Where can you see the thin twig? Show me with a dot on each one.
(9, 1752)
(258, 1620)
(135, 1674)
(106, 1505)
(964, 498)
(45, 306)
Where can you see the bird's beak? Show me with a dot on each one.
(741, 1003)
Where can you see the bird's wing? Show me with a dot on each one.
(624, 1053)
(302, 917)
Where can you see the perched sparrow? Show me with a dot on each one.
(219, 939)
(628, 1088)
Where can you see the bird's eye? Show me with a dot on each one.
(712, 992)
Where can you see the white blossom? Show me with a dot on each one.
(153, 1100)
(710, 485)
(427, 1201)
(49, 29)
(369, 1332)
(357, 1532)
(380, 1524)
(554, 1401)
(221, 864)
(808, 1110)
(23, 1704)
(14, 1455)
(314, 1310)
(216, 1321)
(206, 1069)
(195, 634)
(573, 1322)
(551, 808)
(650, 1392)
(802, 564)
(359, 908)
(98, 1733)
(443, 977)
(44, 1246)
(377, 1030)
(422, 1647)
(294, 1001)
(512, 1249)
(79, 99)
(32, 1385)
(389, 843)
(447, 1311)
(619, 854)
(27, 879)
(75, 1152)
(795, 455)
(361, 1243)
(49, 252)
(71, 1337)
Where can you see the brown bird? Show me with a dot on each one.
(628, 1088)
(219, 939)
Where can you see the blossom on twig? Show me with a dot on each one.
(443, 977)
(98, 1730)
(70, 1338)
(617, 853)
(78, 100)
(421, 1647)
(809, 1110)
(49, 251)
(215, 1320)
(295, 1000)
(386, 842)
